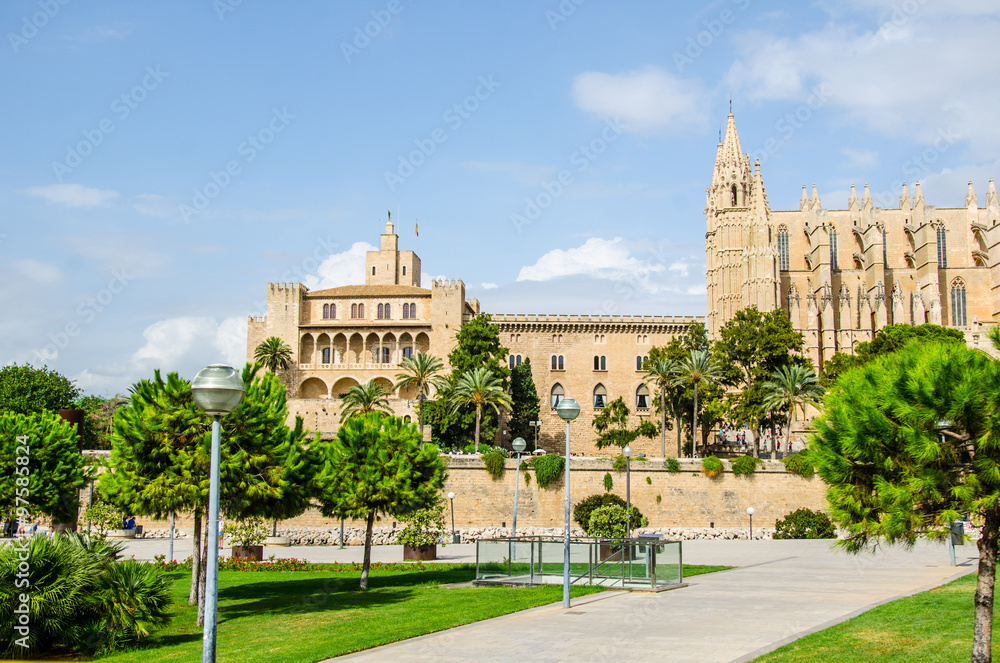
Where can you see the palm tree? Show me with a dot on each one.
(480, 388)
(420, 372)
(663, 373)
(364, 398)
(273, 353)
(790, 386)
(696, 368)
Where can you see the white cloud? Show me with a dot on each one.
(597, 257)
(97, 35)
(488, 286)
(39, 272)
(72, 195)
(649, 100)
(914, 76)
(345, 268)
(151, 204)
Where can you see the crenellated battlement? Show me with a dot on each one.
(290, 288)
(447, 284)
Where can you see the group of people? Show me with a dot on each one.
(730, 434)
(14, 527)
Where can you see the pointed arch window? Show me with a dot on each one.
(381, 312)
(885, 248)
(833, 248)
(388, 311)
(642, 397)
(783, 248)
(600, 396)
(333, 310)
(959, 317)
(326, 311)
(556, 394)
(406, 311)
(942, 247)
(733, 192)
(354, 311)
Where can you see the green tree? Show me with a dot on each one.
(98, 425)
(26, 389)
(419, 373)
(273, 353)
(524, 397)
(698, 368)
(479, 388)
(611, 424)
(674, 396)
(364, 399)
(41, 468)
(909, 442)
(751, 346)
(662, 372)
(376, 467)
(161, 452)
(888, 339)
(791, 386)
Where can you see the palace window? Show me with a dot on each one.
(515, 361)
(560, 362)
(384, 312)
(373, 271)
(600, 363)
(381, 312)
(406, 311)
(783, 248)
(557, 362)
(642, 397)
(959, 317)
(326, 311)
(385, 355)
(833, 249)
(942, 247)
(600, 396)
(326, 356)
(357, 311)
(407, 353)
(404, 270)
(556, 394)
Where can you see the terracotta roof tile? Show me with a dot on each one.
(370, 291)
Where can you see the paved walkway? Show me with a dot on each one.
(791, 589)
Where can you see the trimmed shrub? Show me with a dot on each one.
(712, 466)
(424, 527)
(583, 509)
(609, 482)
(745, 466)
(548, 468)
(649, 480)
(800, 463)
(805, 524)
(671, 465)
(609, 521)
(494, 462)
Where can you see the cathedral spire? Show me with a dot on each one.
(866, 200)
(918, 195)
(852, 202)
(904, 198)
(991, 196)
(804, 200)
(731, 179)
(815, 198)
(970, 197)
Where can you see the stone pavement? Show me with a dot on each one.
(785, 590)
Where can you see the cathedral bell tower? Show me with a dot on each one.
(740, 252)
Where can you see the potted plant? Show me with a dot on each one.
(106, 522)
(248, 538)
(609, 522)
(423, 530)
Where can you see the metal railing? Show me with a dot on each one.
(637, 563)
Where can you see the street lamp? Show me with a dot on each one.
(217, 389)
(627, 452)
(750, 513)
(519, 445)
(568, 410)
(454, 537)
(941, 425)
(536, 425)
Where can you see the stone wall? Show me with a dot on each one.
(688, 499)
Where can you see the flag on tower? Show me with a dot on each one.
(416, 229)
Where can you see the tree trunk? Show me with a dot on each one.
(195, 558)
(694, 425)
(982, 638)
(202, 575)
(368, 550)
(663, 424)
(421, 415)
(788, 438)
(756, 440)
(478, 414)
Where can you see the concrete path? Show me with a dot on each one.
(786, 589)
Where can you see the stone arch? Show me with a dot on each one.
(339, 348)
(323, 349)
(423, 343)
(356, 348)
(386, 384)
(342, 386)
(313, 388)
(307, 349)
(371, 348)
(390, 349)
(600, 396)
(642, 397)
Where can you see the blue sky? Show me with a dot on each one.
(161, 162)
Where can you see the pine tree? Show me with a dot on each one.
(524, 396)
(377, 467)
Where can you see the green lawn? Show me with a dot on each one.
(930, 627)
(302, 616)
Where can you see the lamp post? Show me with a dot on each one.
(454, 537)
(627, 452)
(217, 389)
(750, 513)
(941, 425)
(536, 425)
(568, 410)
(519, 445)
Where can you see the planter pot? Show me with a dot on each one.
(420, 553)
(606, 550)
(121, 534)
(282, 541)
(255, 553)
